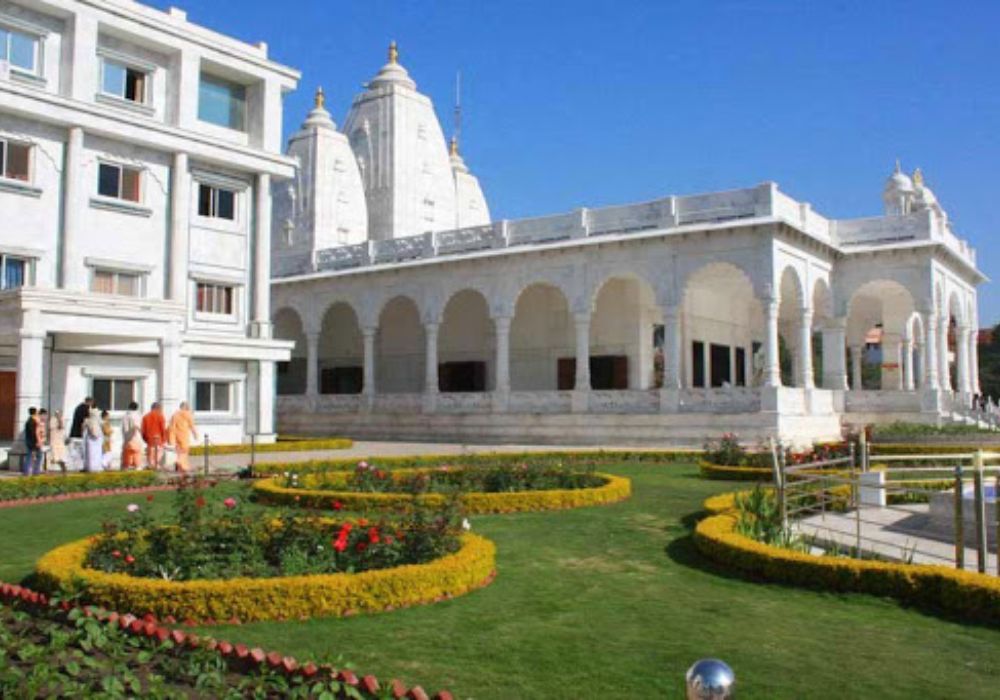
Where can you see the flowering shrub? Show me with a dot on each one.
(212, 539)
(505, 478)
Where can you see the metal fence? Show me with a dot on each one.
(927, 509)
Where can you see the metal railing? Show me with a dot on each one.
(929, 509)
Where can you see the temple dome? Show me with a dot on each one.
(899, 182)
(392, 73)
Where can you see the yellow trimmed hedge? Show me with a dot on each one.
(303, 445)
(725, 472)
(290, 597)
(963, 593)
(614, 489)
(472, 460)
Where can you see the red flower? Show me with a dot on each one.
(373, 535)
(149, 498)
(229, 503)
(200, 501)
(337, 505)
(129, 559)
(361, 546)
(340, 544)
(388, 539)
(362, 522)
(116, 554)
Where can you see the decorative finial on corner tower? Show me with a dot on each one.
(453, 146)
(320, 98)
(393, 52)
(918, 178)
(899, 168)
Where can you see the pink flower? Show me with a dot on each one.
(362, 465)
(337, 505)
(229, 503)
(129, 559)
(116, 554)
(132, 508)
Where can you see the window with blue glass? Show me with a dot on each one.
(20, 50)
(13, 272)
(222, 102)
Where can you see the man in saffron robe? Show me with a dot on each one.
(182, 430)
(154, 434)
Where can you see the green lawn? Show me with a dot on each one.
(609, 602)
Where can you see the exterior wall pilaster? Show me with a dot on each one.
(806, 379)
(30, 366)
(261, 327)
(180, 205)
(908, 383)
(173, 374)
(312, 364)
(834, 359)
(672, 347)
(581, 393)
(944, 374)
(857, 358)
(431, 386)
(265, 400)
(368, 345)
(501, 326)
(962, 357)
(931, 347)
(71, 272)
(772, 366)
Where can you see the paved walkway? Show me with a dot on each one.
(901, 533)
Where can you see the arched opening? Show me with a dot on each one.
(722, 329)
(465, 344)
(950, 351)
(542, 349)
(399, 348)
(291, 375)
(915, 346)
(341, 351)
(623, 337)
(876, 319)
(791, 297)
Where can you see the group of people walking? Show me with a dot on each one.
(90, 428)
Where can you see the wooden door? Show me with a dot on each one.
(8, 405)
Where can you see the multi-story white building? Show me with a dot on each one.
(137, 156)
(674, 319)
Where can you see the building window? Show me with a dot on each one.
(123, 82)
(13, 272)
(20, 50)
(15, 160)
(113, 394)
(213, 397)
(215, 299)
(216, 202)
(222, 102)
(126, 284)
(119, 182)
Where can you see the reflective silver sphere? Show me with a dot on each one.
(710, 679)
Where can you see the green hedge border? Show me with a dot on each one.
(21, 487)
(303, 445)
(965, 594)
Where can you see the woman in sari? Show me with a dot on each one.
(132, 438)
(107, 431)
(182, 429)
(57, 440)
(93, 438)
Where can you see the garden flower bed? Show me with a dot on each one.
(51, 648)
(23, 489)
(503, 488)
(215, 563)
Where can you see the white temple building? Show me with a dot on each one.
(415, 316)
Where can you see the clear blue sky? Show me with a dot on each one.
(572, 104)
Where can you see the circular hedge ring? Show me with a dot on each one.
(276, 598)
(321, 491)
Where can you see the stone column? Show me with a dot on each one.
(907, 346)
(944, 374)
(173, 375)
(261, 327)
(265, 401)
(857, 357)
(368, 342)
(772, 362)
(706, 362)
(892, 379)
(312, 364)
(672, 348)
(834, 358)
(180, 208)
(72, 275)
(582, 321)
(974, 361)
(431, 386)
(921, 355)
(931, 346)
(962, 357)
(30, 367)
(806, 379)
(501, 326)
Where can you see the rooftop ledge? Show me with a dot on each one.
(759, 204)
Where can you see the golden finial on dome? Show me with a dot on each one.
(918, 178)
(320, 98)
(453, 148)
(393, 52)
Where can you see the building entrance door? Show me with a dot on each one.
(8, 405)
